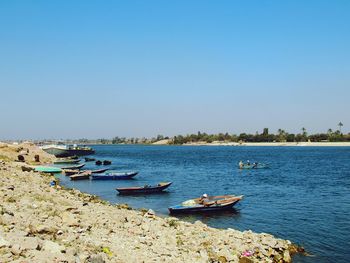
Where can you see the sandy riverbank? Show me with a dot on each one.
(39, 223)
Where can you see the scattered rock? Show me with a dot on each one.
(20, 158)
(96, 259)
(42, 229)
(3, 242)
(52, 247)
(11, 187)
(30, 243)
(16, 250)
(246, 260)
(27, 168)
(69, 219)
(37, 158)
(286, 256)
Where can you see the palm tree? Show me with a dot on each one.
(340, 125)
(304, 131)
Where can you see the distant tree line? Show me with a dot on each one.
(265, 136)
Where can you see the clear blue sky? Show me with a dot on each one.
(93, 69)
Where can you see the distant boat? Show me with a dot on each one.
(99, 171)
(47, 169)
(66, 161)
(114, 176)
(147, 189)
(98, 162)
(87, 159)
(67, 150)
(254, 166)
(72, 167)
(212, 204)
(106, 162)
(81, 176)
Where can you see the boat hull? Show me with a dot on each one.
(112, 176)
(179, 209)
(71, 167)
(69, 161)
(81, 176)
(142, 190)
(99, 171)
(58, 152)
(252, 167)
(47, 169)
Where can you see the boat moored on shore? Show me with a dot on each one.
(47, 169)
(71, 167)
(81, 176)
(147, 189)
(67, 150)
(208, 204)
(114, 176)
(66, 161)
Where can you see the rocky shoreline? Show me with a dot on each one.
(43, 223)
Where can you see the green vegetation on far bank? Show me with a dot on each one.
(202, 137)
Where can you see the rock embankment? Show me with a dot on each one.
(40, 223)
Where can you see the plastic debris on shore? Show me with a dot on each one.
(247, 253)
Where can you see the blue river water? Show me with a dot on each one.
(304, 196)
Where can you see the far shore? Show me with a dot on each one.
(312, 144)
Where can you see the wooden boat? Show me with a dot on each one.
(66, 161)
(99, 171)
(72, 167)
(210, 204)
(254, 166)
(114, 176)
(81, 176)
(70, 172)
(47, 169)
(87, 159)
(147, 189)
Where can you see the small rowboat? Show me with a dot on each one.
(81, 176)
(147, 189)
(72, 167)
(66, 161)
(70, 172)
(47, 169)
(211, 204)
(99, 171)
(254, 166)
(114, 176)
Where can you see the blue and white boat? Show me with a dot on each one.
(114, 176)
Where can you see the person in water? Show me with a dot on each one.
(255, 165)
(248, 162)
(240, 164)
